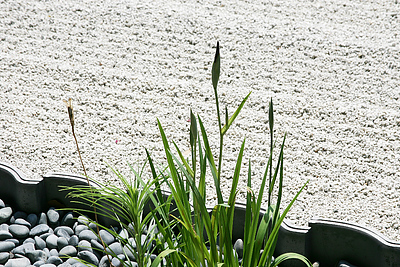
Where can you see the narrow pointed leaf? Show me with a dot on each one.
(231, 120)
(189, 169)
(236, 175)
(248, 216)
(161, 256)
(274, 233)
(207, 145)
(202, 205)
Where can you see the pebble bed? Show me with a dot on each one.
(61, 239)
(54, 239)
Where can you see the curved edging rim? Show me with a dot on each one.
(357, 244)
(325, 240)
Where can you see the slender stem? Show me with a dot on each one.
(271, 133)
(270, 172)
(271, 130)
(221, 138)
(94, 206)
(80, 157)
(194, 162)
(221, 142)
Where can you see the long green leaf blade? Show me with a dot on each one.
(204, 213)
(189, 169)
(179, 193)
(231, 119)
(274, 233)
(236, 175)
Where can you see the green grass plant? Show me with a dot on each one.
(185, 232)
(208, 239)
(124, 207)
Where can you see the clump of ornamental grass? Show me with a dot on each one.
(207, 240)
(181, 230)
(125, 208)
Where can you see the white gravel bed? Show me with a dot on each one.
(331, 67)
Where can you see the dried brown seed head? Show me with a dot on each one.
(70, 111)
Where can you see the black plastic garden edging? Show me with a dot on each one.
(324, 240)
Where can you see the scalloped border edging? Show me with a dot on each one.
(324, 240)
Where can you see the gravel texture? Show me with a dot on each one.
(66, 239)
(331, 67)
(49, 240)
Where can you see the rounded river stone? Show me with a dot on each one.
(87, 235)
(84, 245)
(96, 245)
(5, 235)
(104, 262)
(68, 251)
(238, 246)
(53, 216)
(92, 226)
(83, 220)
(18, 214)
(68, 219)
(89, 257)
(19, 231)
(62, 242)
(54, 260)
(40, 243)
(4, 256)
(116, 262)
(79, 228)
(65, 264)
(115, 248)
(129, 253)
(63, 231)
(32, 219)
(18, 262)
(39, 229)
(23, 222)
(124, 234)
(47, 251)
(6, 246)
(51, 241)
(107, 237)
(42, 218)
(15, 241)
(76, 263)
(73, 240)
(5, 214)
(29, 240)
(45, 235)
(53, 252)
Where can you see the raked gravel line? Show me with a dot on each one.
(331, 67)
